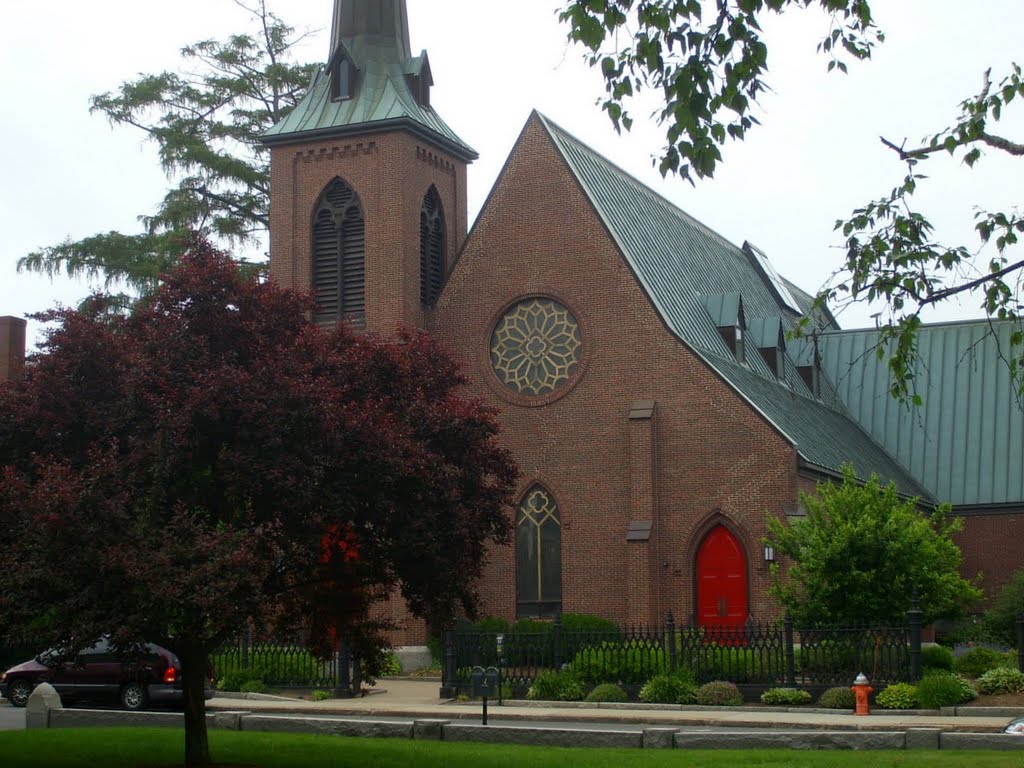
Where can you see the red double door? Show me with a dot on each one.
(721, 580)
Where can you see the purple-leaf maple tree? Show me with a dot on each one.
(214, 458)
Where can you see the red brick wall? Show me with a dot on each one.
(12, 347)
(391, 173)
(716, 458)
(993, 546)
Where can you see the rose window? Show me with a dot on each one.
(535, 347)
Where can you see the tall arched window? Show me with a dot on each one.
(339, 269)
(538, 555)
(432, 234)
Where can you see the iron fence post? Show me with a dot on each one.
(790, 653)
(449, 684)
(246, 639)
(342, 680)
(914, 620)
(1020, 641)
(558, 641)
(670, 641)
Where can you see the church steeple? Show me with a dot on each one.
(367, 183)
(371, 82)
(371, 18)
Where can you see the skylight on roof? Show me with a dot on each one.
(782, 291)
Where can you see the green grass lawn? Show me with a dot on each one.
(142, 747)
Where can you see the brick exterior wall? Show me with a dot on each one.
(391, 173)
(992, 546)
(714, 458)
(12, 347)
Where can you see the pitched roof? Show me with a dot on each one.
(381, 98)
(690, 272)
(966, 441)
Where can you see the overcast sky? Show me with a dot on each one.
(66, 173)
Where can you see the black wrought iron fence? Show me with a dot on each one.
(827, 656)
(275, 664)
(765, 654)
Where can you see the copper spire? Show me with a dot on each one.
(371, 18)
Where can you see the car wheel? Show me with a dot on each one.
(133, 696)
(19, 692)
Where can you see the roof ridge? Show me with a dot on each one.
(558, 133)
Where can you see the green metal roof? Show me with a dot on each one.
(691, 274)
(381, 98)
(966, 442)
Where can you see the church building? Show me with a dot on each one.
(646, 385)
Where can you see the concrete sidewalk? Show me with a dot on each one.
(409, 698)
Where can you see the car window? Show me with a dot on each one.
(101, 648)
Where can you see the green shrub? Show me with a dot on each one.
(1001, 618)
(898, 696)
(715, 663)
(1002, 680)
(941, 688)
(719, 693)
(390, 666)
(532, 627)
(560, 685)
(279, 665)
(936, 657)
(436, 648)
(785, 697)
(840, 697)
(585, 622)
(253, 686)
(491, 624)
(612, 662)
(977, 661)
(607, 692)
(320, 695)
(670, 689)
(235, 679)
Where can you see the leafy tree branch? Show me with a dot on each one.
(206, 122)
(709, 71)
(892, 257)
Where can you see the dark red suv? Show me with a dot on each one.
(100, 674)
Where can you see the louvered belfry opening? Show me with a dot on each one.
(432, 234)
(339, 264)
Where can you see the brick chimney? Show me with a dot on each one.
(12, 347)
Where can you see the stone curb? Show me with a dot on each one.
(638, 737)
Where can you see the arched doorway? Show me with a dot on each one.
(721, 580)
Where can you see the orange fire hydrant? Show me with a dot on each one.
(861, 690)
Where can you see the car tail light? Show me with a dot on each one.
(170, 675)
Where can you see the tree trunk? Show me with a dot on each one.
(194, 660)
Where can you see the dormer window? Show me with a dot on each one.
(808, 363)
(419, 79)
(343, 76)
(734, 337)
(768, 336)
(726, 311)
(809, 373)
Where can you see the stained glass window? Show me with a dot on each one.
(538, 555)
(535, 347)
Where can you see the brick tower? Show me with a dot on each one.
(12, 347)
(368, 184)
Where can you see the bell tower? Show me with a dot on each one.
(367, 182)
